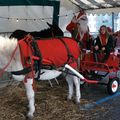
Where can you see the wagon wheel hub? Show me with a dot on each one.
(114, 86)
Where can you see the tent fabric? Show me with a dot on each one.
(99, 5)
(33, 17)
(104, 11)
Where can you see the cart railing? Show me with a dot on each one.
(96, 66)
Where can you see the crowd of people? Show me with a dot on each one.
(105, 42)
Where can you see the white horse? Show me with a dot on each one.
(10, 60)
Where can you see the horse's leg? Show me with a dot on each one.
(30, 96)
(70, 86)
(77, 88)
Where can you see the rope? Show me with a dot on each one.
(4, 68)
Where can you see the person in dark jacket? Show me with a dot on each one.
(103, 44)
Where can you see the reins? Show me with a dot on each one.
(4, 68)
(30, 69)
(29, 40)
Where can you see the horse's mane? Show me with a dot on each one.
(7, 44)
(42, 33)
(52, 31)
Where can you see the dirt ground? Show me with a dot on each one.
(51, 103)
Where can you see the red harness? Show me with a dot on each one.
(56, 52)
(53, 52)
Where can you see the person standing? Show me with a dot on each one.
(79, 30)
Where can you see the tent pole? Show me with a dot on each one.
(113, 22)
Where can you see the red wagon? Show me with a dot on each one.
(107, 73)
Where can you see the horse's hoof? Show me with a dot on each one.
(81, 107)
(69, 99)
(29, 117)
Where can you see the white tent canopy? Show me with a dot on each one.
(104, 11)
(98, 6)
(34, 18)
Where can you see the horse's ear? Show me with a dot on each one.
(50, 25)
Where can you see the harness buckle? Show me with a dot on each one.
(35, 57)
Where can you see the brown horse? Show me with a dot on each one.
(52, 31)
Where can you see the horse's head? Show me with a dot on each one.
(18, 34)
(83, 21)
(56, 31)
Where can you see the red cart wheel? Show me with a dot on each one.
(112, 86)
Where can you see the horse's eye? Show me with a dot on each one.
(83, 19)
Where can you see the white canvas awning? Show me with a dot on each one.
(104, 11)
(98, 6)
